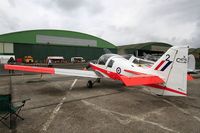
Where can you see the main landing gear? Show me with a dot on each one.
(90, 83)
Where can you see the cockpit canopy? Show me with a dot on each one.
(127, 56)
(104, 58)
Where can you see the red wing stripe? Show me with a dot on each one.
(30, 69)
(159, 65)
(167, 89)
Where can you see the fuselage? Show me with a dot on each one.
(113, 66)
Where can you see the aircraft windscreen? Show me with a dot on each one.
(128, 56)
(103, 59)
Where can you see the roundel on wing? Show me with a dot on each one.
(118, 70)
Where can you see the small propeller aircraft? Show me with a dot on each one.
(167, 76)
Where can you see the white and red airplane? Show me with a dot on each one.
(168, 76)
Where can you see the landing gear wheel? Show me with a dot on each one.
(98, 80)
(89, 84)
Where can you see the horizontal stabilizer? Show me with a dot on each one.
(189, 77)
(141, 80)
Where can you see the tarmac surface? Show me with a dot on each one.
(64, 104)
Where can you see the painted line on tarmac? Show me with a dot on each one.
(52, 116)
(182, 110)
(56, 109)
(197, 118)
(174, 105)
(71, 87)
(127, 118)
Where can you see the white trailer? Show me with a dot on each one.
(4, 58)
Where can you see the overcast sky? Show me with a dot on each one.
(118, 21)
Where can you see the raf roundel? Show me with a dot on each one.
(118, 70)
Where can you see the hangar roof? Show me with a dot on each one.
(146, 46)
(151, 46)
(58, 37)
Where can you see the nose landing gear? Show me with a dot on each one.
(90, 83)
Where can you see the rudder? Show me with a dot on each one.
(172, 68)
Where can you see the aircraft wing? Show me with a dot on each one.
(141, 80)
(59, 71)
(193, 71)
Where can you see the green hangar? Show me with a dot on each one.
(141, 48)
(43, 43)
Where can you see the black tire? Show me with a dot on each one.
(89, 84)
(98, 80)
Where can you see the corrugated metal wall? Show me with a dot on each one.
(6, 48)
(41, 52)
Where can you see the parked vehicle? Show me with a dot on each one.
(4, 58)
(77, 60)
(19, 60)
(56, 59)
(28, 59)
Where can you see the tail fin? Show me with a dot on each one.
(172, 68)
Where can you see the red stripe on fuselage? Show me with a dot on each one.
(167, 89)
(159, 65)
(110, 74)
